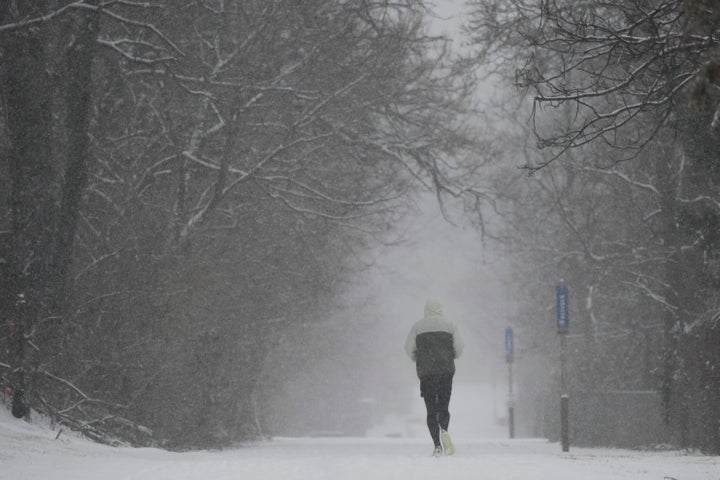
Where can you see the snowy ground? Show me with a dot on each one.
(29, 452)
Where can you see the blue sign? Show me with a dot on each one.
(563, 315)
(509, 347)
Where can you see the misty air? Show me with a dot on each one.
(357, 239)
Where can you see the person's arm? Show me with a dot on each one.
(458, 344)
(410, 346)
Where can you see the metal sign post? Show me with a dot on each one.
(509, 354)
(563, 327)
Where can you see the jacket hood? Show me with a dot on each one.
(433, 308)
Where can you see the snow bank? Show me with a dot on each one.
(34, 451)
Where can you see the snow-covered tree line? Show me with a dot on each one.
(623, 198)
(181, 181)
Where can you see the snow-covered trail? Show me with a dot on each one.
(31, 452)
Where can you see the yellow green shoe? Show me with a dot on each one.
(448, 447)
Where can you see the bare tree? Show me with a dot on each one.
(30, 215)
(225, 160)
(623, 67)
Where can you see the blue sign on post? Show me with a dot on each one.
(563, 315)
(509, 347)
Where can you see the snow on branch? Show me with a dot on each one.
(103, 9)
(701, 198)
(612, 172)
(115, 45)
(22, 24)
(308, 192)
(648, 292)
(82, 394)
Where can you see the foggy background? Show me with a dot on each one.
(218, 222)
(362, 363)
(364, 370)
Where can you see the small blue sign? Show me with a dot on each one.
(509, 345)
(563, 315)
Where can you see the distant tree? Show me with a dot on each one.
(624, 67)
(625, 75)
(225, 162)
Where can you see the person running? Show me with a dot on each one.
(434, 343)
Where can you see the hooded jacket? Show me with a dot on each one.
(433, 342)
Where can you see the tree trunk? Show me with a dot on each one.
(26, 98)
(78, 102)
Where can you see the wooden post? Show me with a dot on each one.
(565, 422)
(511, 402)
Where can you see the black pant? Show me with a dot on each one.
(436, 391)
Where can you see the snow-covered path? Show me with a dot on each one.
(30, 452)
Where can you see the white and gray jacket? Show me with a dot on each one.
(433, 342)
